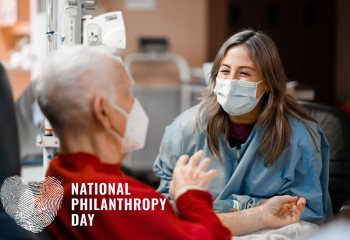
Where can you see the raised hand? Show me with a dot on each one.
(189, 174)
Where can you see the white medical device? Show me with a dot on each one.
(78, 28)
(75, 27)
(106, 29)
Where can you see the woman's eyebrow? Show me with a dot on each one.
(223, 64)
(247, 67)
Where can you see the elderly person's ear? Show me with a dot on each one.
(101, 111)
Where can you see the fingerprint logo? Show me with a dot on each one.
(33, 206)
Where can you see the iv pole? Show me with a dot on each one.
(106, 29)
(49, 141)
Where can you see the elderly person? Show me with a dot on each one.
(85, 94)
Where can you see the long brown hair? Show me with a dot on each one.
(274, 129)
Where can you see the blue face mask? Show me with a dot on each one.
(236, 97)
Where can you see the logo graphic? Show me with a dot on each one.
(33, 206)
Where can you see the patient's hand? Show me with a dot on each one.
(283, 210)
(190, 174)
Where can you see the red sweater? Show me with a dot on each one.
(196, 218)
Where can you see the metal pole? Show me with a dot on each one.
(50, 47)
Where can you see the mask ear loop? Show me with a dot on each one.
(122, 111)
(116, 134)
(262, 94)
(264, 90)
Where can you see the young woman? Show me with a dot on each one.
(261, 140)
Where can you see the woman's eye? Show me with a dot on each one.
(224, 71)
(245, 73)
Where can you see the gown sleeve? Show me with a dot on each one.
(237, 202)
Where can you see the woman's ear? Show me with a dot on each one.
(265, 87)
(101, 111)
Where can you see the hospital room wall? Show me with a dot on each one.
(315, 54)
(9, 36)
(304, 33)
(194, 34)
(182, 22)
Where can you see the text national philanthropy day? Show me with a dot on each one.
(116, 197)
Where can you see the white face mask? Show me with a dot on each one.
(236, 97)
(136, 128)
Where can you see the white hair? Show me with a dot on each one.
(70, 77)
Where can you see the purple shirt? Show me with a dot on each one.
(239, 133)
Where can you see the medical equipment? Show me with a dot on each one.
(76, 27)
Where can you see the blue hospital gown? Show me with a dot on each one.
(302, 170)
